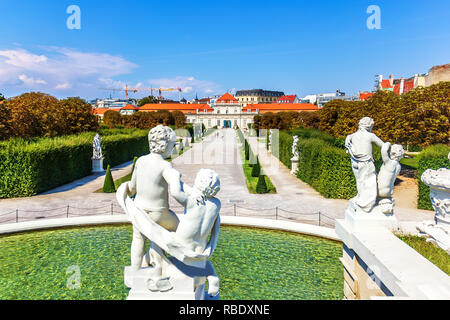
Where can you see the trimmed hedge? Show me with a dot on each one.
(29, 167)
(323, 163)
(433, 157)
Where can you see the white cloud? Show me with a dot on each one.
(59, 69)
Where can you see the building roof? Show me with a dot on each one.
(227, 98)
(101, 111)
(386, 84)
(277, 107)
(185, 108)
(365, 95)
(129, 107)
(287, 99)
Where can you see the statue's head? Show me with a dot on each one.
(207, 182)
(162, 140)
(366, 123)
(397, 152)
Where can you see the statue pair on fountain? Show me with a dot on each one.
(374, 192)
(152, 275)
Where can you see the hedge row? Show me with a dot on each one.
(29, 167)
(433, 157)
(323, 162)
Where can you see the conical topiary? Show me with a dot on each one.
(247, 150)
(108, 185)
(261, 186)
(256, 170)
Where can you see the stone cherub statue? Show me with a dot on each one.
(373, 191)
(184, 274)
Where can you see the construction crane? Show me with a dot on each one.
(127, 90)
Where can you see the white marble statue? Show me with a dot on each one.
(294, 148)
(97, 148)
(359, 145)
(389, 171)
(182, 276)
(438, 231)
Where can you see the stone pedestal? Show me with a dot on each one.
(357, 218)
(294, 168)
(97, 165)
(178, 282)
(438, 231)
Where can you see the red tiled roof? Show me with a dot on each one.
(227, 98)
(408, 85)
(365, 95)
(288, 98)
(386, 84)
(185, 108)
(277, 107)
(129, 107)
(101, 111)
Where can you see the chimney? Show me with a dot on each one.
(416, 80)
(391, 79)
(402, 85)
(380, 79)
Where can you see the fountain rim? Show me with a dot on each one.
(270, 224)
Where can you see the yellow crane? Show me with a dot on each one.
(127, 90)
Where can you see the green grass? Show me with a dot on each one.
(436, 255)
(253, 181)
(411, 163)
(252, 264)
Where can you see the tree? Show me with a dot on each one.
(261, 186)
(2, 97)
(146, 100)
(34, 114)
(75, 116)
(179, 119)
(5, 121)
(108, 185)
(112, 119)
(256, 170)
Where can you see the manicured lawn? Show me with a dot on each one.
(436, 255)
(411, 163)
(253, 181)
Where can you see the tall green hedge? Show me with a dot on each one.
(323, 163)
(433, 157)
(29, 167)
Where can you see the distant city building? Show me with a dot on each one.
(257, 96)
(112, 103)
(400, 86)
(363, 96)
(128, 109)
(288, 99)
(321, 99)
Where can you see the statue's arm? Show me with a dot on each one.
(132, 183)
(385, 152)
(377, 140)
(173, 179)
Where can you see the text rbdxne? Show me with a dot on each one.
(231, 309)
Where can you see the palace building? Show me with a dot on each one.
(226, 112)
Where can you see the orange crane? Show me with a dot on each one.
(134, 90)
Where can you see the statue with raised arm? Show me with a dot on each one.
(359, 146)
(97, 148)
(186, 241)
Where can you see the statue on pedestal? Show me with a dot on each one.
(374, 193)
(182, 276)
(294, 159)
(97, 156)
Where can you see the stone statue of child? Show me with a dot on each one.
(390, 169)
(201, 219)
(359, 145)
(151, 180)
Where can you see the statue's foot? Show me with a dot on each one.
(159, 284)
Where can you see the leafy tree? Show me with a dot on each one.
(2, 97)
(75, 116)
(34, 114)
(112, 119)
(146, 100)
(5, 121)
(108, 185)
(179, 119)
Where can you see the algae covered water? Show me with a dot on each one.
(88, 262)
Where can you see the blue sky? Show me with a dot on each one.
(210, 47)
